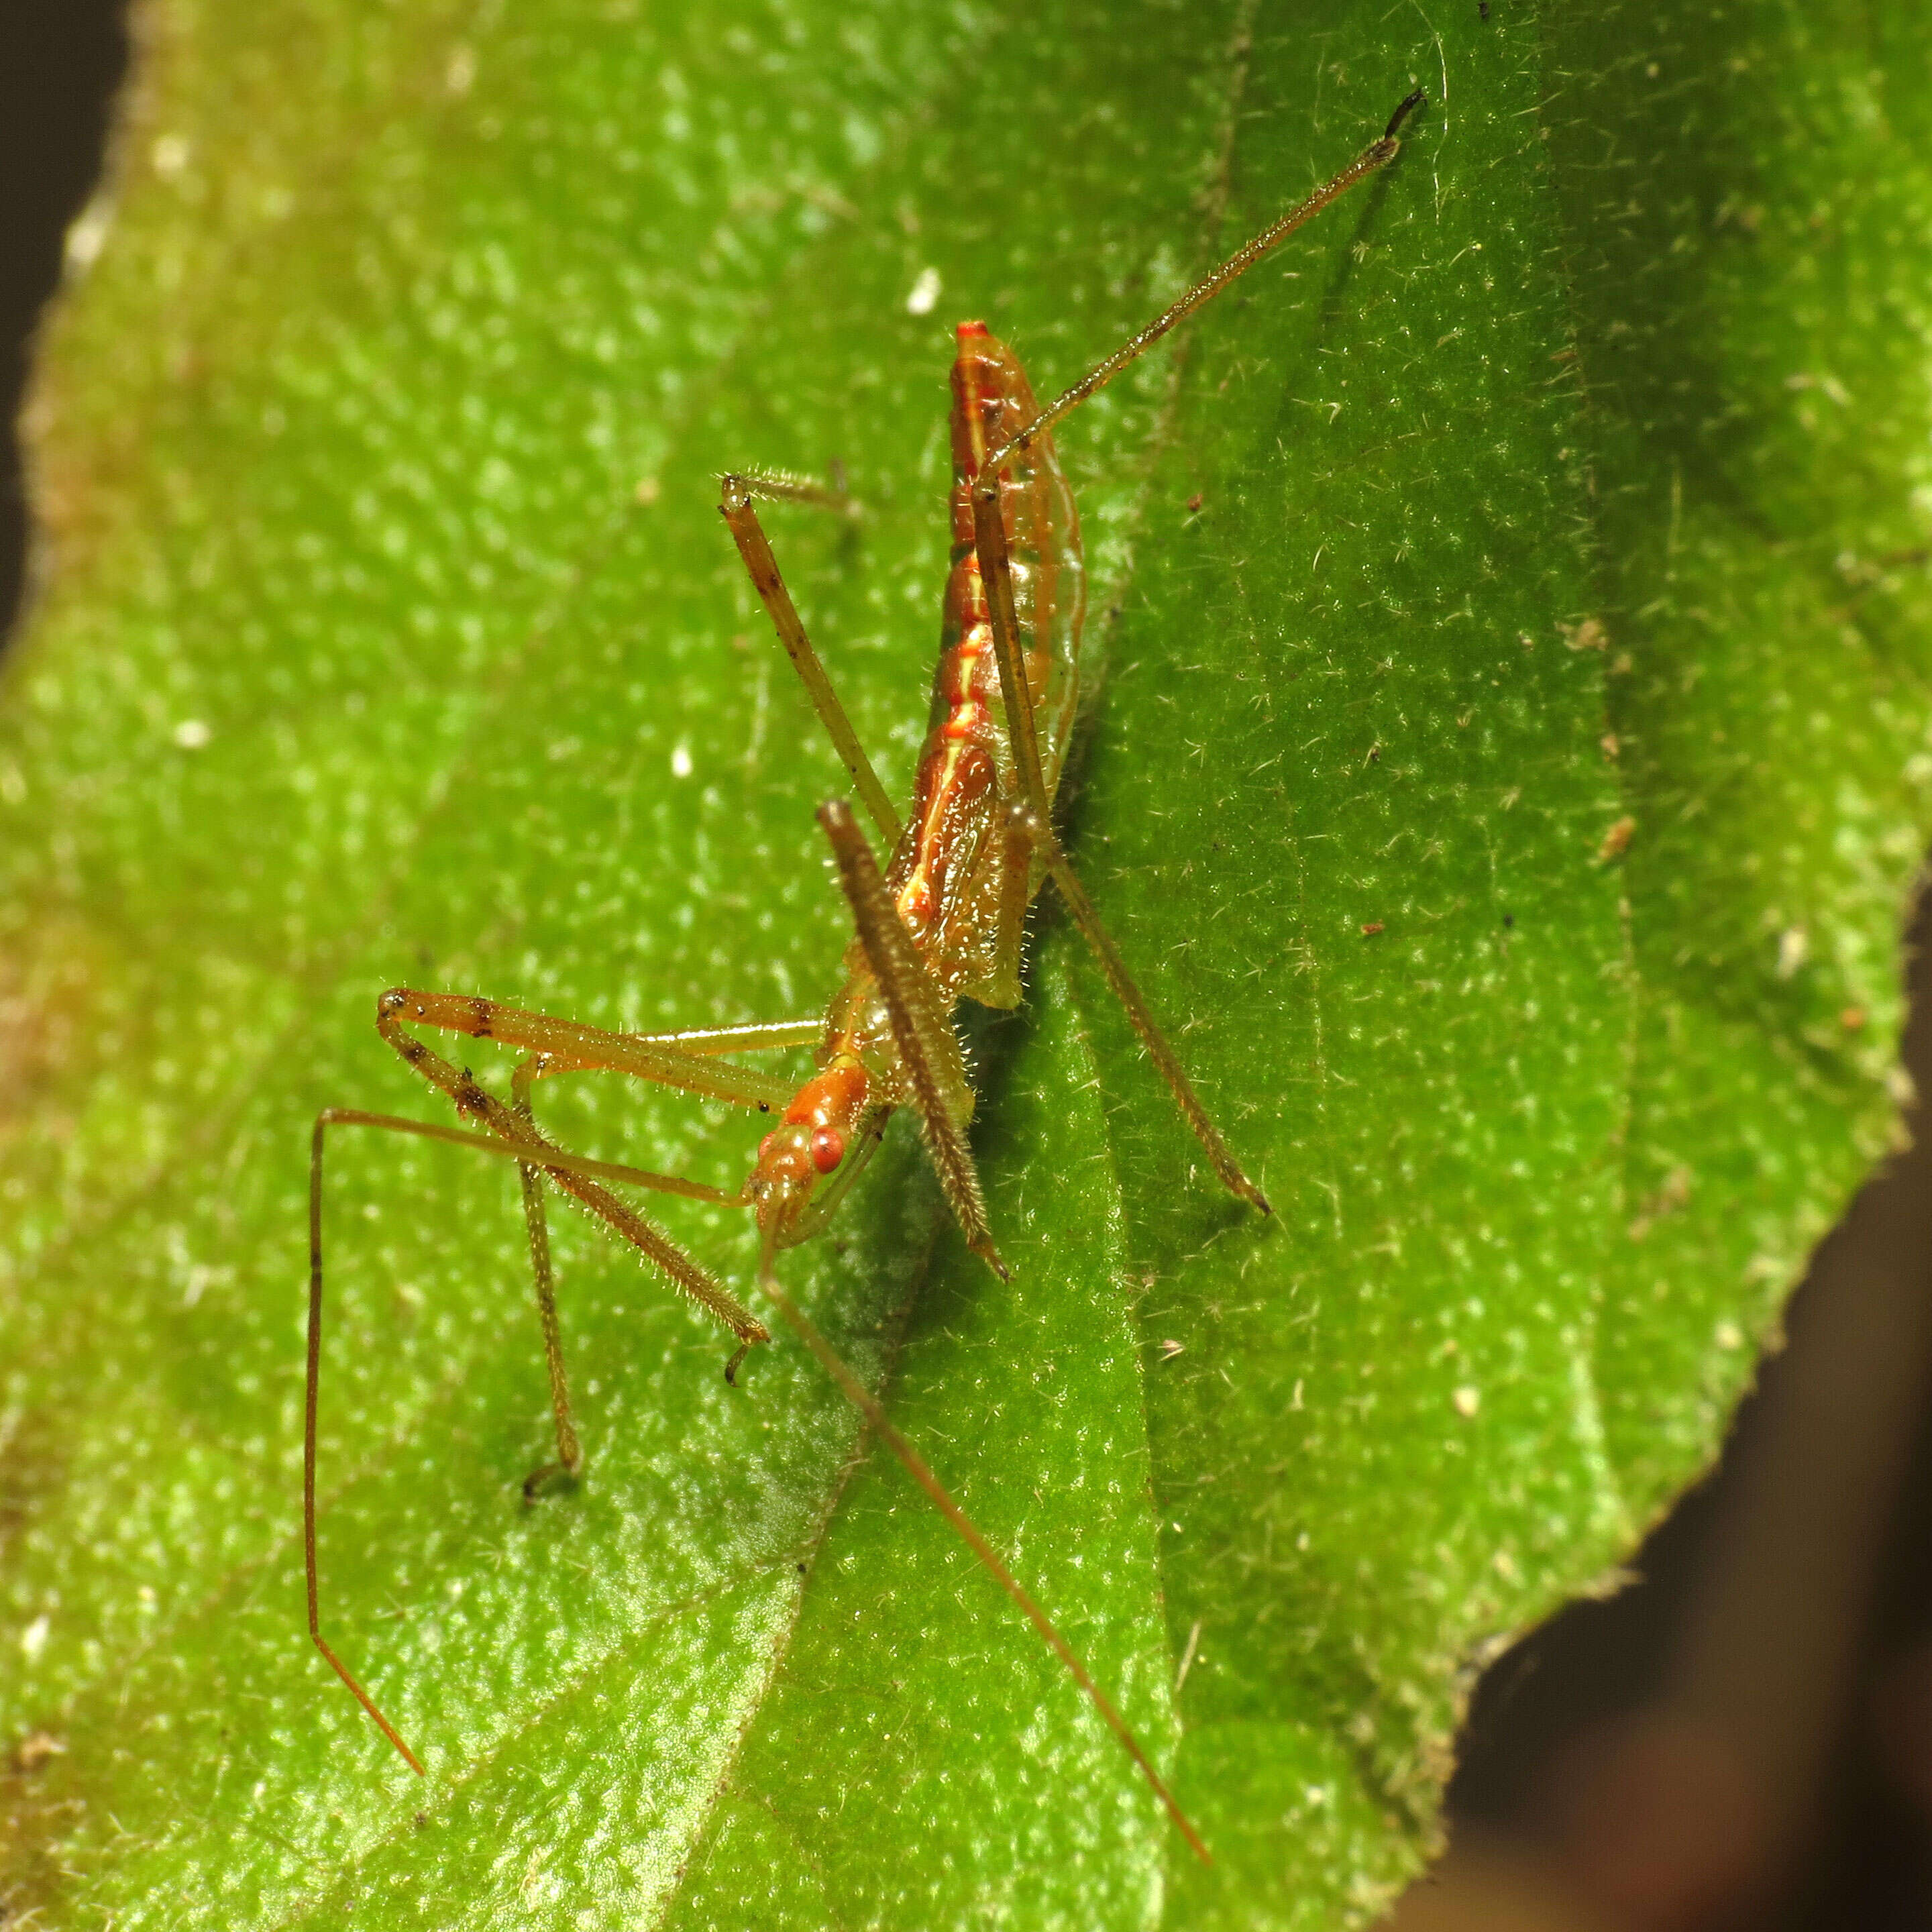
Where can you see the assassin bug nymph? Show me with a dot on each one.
(942, 922)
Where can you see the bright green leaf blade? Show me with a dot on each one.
(365, 665)
(1739, 187)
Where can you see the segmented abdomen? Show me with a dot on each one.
(945, 874)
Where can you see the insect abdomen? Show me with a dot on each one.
(949, 862)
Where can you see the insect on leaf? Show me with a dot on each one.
(1511, 756)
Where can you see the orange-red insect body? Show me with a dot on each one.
(944, 922)
(939, 875)
(947, 878)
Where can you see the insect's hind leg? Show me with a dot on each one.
(1030, 820)
(1029, 825)
(1376, 155)
(569, 1462)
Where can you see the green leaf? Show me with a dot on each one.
(1505, 782)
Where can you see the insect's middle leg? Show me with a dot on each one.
(1030, 826)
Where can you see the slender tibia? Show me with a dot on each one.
(925, 1036)
(996, 573)
(921, 1471)
(312, 1389)
(1129, 995)
(737, 510)
(1377, 155)
(536, 1224)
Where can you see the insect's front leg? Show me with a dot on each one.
(762, 568)
(928, 1048)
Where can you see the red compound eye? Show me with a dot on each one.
(828, 1148)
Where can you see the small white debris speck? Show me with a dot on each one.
(1467, 1401)
(1793, 943)
(459, 76)
(1728, 1336)
(1827, 385)
(86, 235)
(34, 1638)
(190, 734)
(169, 154)
(680, 761)
(925, 296)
